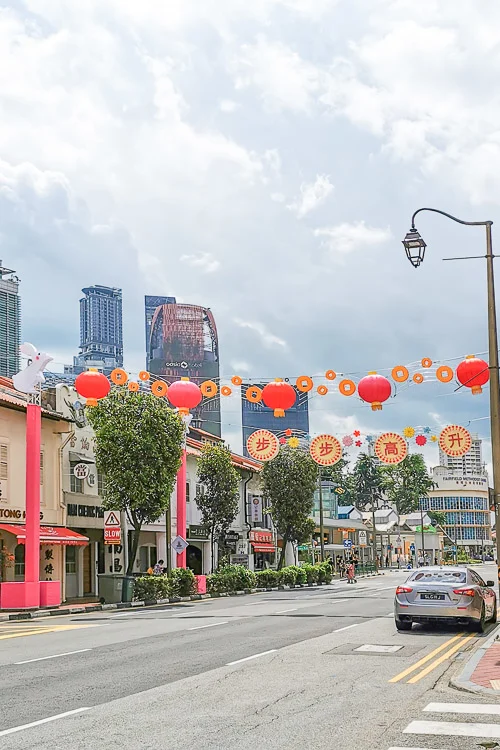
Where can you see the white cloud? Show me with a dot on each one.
(227, 105)
(267, 338)
(345, 238)
(312, 195)
(204, 261)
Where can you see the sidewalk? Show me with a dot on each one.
(481, 673)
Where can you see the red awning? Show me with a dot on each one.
(262, 547)
(48, 534)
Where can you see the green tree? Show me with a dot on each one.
(218, 502)
(438, 517)
(138, 450)
(340, 475)
(367, 482)
(406, 483)
(288, 484)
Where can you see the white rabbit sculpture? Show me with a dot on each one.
(28, 379)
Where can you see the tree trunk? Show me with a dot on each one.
(212, 550)
(282, 553)
(134, 548)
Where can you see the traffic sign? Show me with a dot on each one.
(112, 527)
(362, 538)
(348, 543)
(179, 544)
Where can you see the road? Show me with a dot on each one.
(317, 667)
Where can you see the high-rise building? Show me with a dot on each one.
(101, 332)
(182, 342)
(260, 417)
(10, 322)
(150, 304)
(470, 463)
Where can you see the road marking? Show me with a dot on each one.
(12, 730)
(212, 625)
(464, 708)
(55, 629)
(248, 658)
(347, 627)
(441, 659)
(282, 611)
(453, 729)
(55, 656)
(427, 658)
(411, 748)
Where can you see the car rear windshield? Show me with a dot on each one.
(439, 576)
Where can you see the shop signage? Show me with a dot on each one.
(232, 536)
(256, 509)
(85, 511)
(260, 536)
(239, 560)
(81, 471)
(112, 527)
(15, 514)
(242, 547)
(362, 538)
(199, 532)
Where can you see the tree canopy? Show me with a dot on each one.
(138, 450)
(367, 482)
(406, 483)
(288, 483)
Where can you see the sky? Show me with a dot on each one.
(262, 159)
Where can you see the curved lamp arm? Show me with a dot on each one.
(454, 218)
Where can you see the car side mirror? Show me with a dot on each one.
(490, 583)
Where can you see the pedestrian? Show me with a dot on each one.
(387, 561)
(351, 573)
(158, 568)
(435, 560)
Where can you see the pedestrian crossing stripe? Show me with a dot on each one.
(454, 729)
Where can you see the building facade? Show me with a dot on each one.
(464, 498)
(10, 322)
(183, 342)
(101, 330)
(151, 303)
(470, 463)
(260, 417)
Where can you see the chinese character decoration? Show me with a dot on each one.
(84, 444)
(49, 555)
(473, 373)
(374, 389)
(326, 450)
(263, 445)
(391, 448)
(455, 440)
(49, 569)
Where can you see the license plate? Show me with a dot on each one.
(433, 597)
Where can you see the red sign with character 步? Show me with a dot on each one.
(263, 445)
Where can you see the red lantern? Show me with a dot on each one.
(184, 394)
(473, 373)
(92, 385)
(374, 389)
(279, 396)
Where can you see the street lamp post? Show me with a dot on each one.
(321, 517)
(415, 251)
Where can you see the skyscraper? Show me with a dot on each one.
(470, 463)
(150, 305)
(182, 342)
(101, 334)
(260, 417)
(10, 322)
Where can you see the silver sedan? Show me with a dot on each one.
(444, 593)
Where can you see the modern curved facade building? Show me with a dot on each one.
(182, 342)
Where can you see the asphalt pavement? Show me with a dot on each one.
(292, 669)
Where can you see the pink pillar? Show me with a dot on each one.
(181, 507)
(33, 438)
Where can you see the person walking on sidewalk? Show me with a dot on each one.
(351, 573)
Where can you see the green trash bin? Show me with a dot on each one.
(127, 588)
(115, 588)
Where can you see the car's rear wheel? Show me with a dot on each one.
(480, 625)
(403, 624)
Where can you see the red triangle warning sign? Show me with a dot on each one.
(112, 519)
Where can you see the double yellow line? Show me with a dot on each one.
(455, 643)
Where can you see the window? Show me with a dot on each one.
(445, 576)
(76, 485)
(147, 558)
(187, 492)
(4, 462)
(70, 560)
(41, 468)
(19, 554)
(100, 484)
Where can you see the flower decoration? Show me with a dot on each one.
(434, 439)
(293, 442)
(369, 438)
(347, 440)
(409, 432)
(282, 441)
(288, 432)
(420, 440)
(356, 433)
(359, 443)
(427, 430)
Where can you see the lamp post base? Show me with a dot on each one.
(19, 595)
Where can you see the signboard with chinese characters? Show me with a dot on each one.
(325, 450)
(239, 560)
(256, 509)
(262, 537)
(263, 445)
(112, 527)
(455, 440)
(81, 471)
(391, 448)
(198, 532)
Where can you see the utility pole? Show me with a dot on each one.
(321, 519)
(374, 533)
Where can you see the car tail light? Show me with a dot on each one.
(403, 590)
(465, 592)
